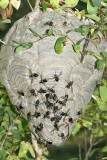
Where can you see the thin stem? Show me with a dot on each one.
(79, 146)
(29, 5)
(39, 151)
(37, 5)
(104, 158)
(85, 139)
(102, 139)
(91, 145)
(12, 124)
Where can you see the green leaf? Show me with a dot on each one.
(101, 64)
(77, 47)
(24, 148)
(104, 149)
(103, 27)
(50, 32)
(90, 8)
(35, 33)
(76, 128)
(17, 42)
(102, 107)
(71, 3)
(87, 124)
(85, 29)
(28, 45)
(92, 16)
(96, 2)
(70, 31)
(46, 153)
(2, 154)
(98, 56)
(43, 157)
(85, 1)
(54, 3)
(45, 5)
(18, 49)
(103, 93)
(93, 151)
(104, 54)
(23, 46)
(59, 44)
(6, 21)
(4, 3)
(12, 157)
(16, 3)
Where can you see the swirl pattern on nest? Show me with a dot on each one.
(50, 90)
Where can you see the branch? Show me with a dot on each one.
(79, 146)
(91, 145)
(37, 5)
(85, 139)
(29, 4)
(37, 149)
(102, 139)
(12, 124)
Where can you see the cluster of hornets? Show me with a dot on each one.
(53, 110)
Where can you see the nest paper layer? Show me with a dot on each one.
(50, 90)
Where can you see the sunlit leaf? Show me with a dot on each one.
(16, 3)
(103, 93)
(23, 46)
(6, 21)
(77, 47)
(54, 3)
(90, 8)
(71, 3)
(19, 48)
(28, 45)
(59, 44)
(85, 1)
(12, 157)
(4, 3)
(92, 16)
(104, 149)
(76, 128)
(24, 148)
(42, 157)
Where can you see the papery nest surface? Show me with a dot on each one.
(50, 90)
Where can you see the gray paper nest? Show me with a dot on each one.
(50, 90)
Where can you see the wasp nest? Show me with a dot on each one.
(50, 90)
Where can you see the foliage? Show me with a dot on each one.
(15, 138)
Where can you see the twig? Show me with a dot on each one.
(104, 158)
(37, 149)
(91, 145)
(37, 5)
(70, 40)
(29, 4)
(12, 124)
(79, 146)
(99, 141)
(85, 139)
